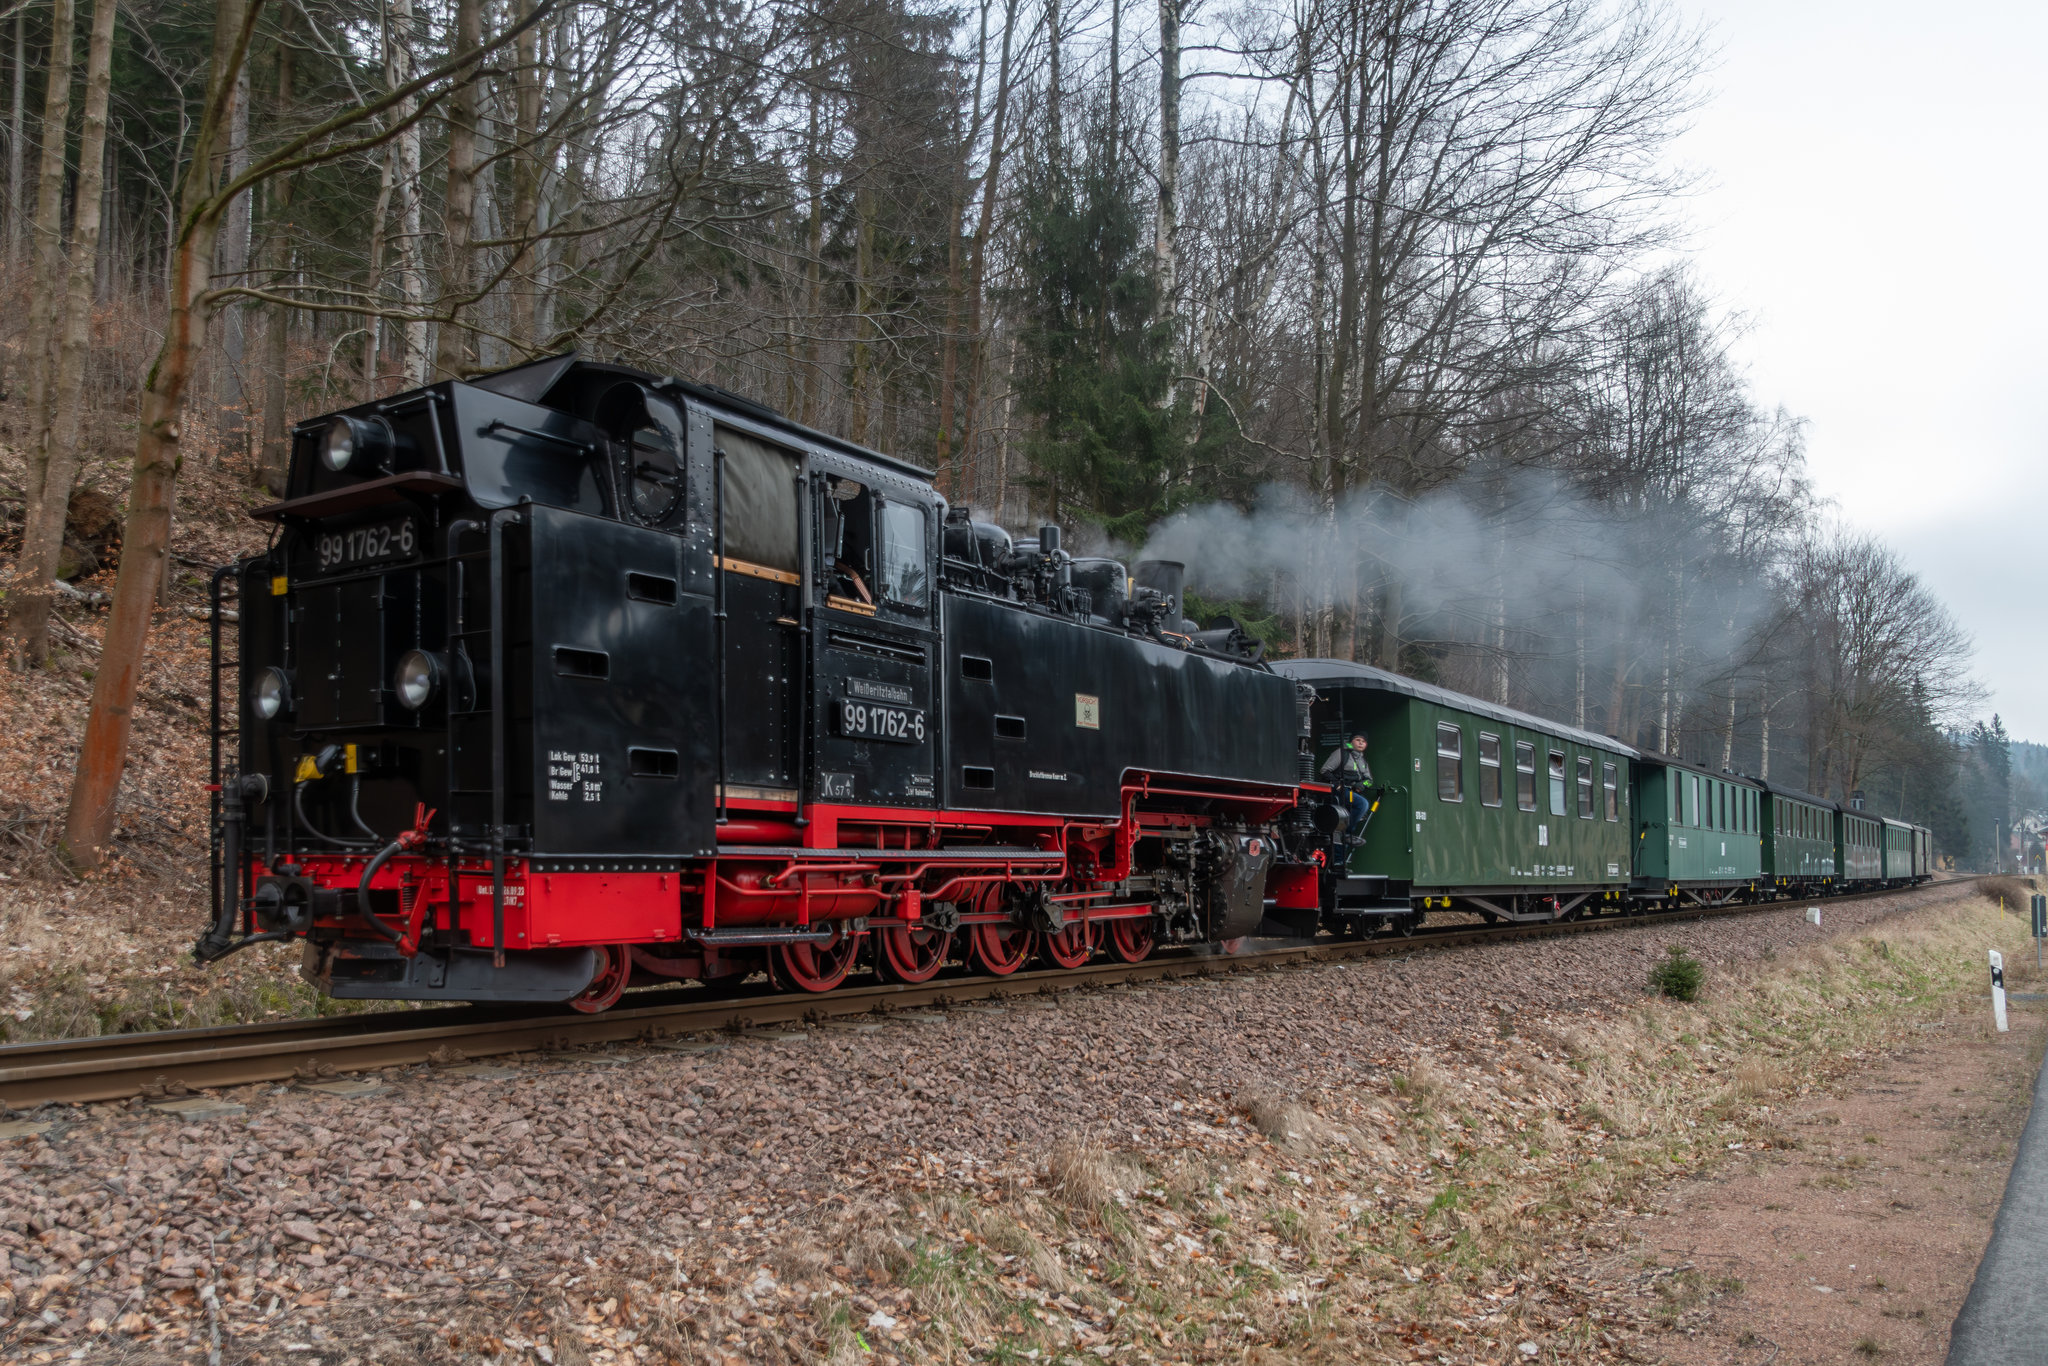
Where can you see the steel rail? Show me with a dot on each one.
(113, 1067)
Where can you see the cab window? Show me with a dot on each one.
(846, 539)
(648, 435)
(758, 488)
(902, 575)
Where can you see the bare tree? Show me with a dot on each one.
(203, 204)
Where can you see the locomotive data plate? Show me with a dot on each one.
(873, 721)
(372, 543)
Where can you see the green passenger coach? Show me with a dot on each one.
(1860, 847)
(1898, 851)
(1699, 836)
(1478, 807)
(1801, 854)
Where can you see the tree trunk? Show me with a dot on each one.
(458, 206)
(526, 172)
(17, 211)
(43, 527)
(1166, 226)
(1055, 106)
(1579, 657)
(977, 360)
(1763, 708)
(45, 301)
(411, 243)
(814, 246)
(46, 240)
(1728, 733)
(1390, 625)
(373, 285)
(860, 380)
(277, 446)
(145, 537)
(234, 266)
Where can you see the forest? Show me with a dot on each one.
(1377, 313)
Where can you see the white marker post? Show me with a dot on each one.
(1813, 915)
(1998, 989)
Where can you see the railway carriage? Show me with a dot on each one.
(1479, 807)
(1859, 847)
(1897, 843)
(1801, 856)
(1700, 839)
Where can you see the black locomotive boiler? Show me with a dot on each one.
(572, 676)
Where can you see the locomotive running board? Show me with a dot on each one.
(731, 939)
(994, 853)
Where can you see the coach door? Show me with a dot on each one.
(874, 639)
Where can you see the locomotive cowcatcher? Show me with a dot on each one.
(572, 677)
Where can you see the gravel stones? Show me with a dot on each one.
(454, 1200)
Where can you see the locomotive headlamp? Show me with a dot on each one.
(354, 443)
(271, 696)
(418, 678)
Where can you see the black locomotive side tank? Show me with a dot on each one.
(1050, 713)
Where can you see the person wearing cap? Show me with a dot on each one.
(1350, 775)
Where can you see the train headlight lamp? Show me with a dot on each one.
(271, 694)
(354, 443)
(338, 447)
(418, 678)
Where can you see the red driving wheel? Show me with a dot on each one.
(817, 967)
(1000, 949)
(614, 970)
(913, 953)
(1132, 941)
(1072, 946)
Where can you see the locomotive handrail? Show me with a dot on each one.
(718, 614)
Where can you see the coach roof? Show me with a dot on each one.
(1344, 672)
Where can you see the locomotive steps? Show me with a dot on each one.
(181, 1062)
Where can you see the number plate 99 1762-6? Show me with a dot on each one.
(872, 721)
(370, 544)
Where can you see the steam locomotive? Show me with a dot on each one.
(573, 677)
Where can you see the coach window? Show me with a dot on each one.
(1692, 797)
(1557, 782)
(1450, 768)
(1525, 776)
(1489, 770)
(1610, 787)
(1585, 775)
(903, 576)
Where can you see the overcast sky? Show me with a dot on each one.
(1874, 199)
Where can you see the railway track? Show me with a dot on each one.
(118, 1066)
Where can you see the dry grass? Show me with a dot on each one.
(1432, 1195)
(1293, 1126)
(1088, 1177)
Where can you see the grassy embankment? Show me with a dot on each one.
(1448, 1208)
